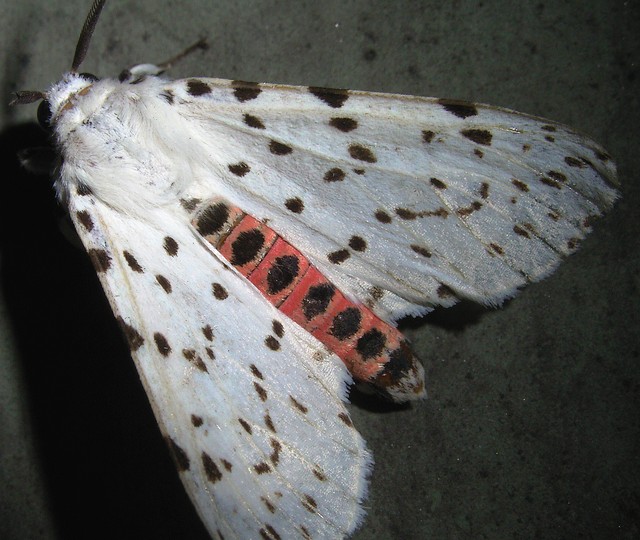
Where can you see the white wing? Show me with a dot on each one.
(403, 202)
(250, 404)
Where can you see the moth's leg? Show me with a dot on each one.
(140, 71)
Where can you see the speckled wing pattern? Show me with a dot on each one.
(250, 404)
(404, 203)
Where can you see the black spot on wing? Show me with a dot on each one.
(520, 185)
(277, 328)
(362, 153)
(376, 293)
(170, 246)
(339, 256)
(461, 109)
(132, 262)
(357, 243)
(245, 91)
(574, 162)
(207, 331)
(262, 393)
(239, 169)
(262, 468)
(310, 504)
(179, 455)
(133, 337)
(573, 243)
(334, 175)
(428, 135)
(294, 205)
(210, 468)
(269, 533)
(164, 283)
(256, 372)
(162, 344)
(558, 176)
(438, 184)
(478, 136)
(219, 291)
(549, 182)
(319, 475)
(197, 88)
(334, 97)
(382, 216)
(343, 124)
(268, 421)
(101, 259)
(245, 425)
(85, 219)
(302, 408)
(194, 358)
(272, 343)
(253, 121)
(279, 149)
(520, 231)
(83, 189)
(274, 457)
(466, 211)
(420, 250)
(406, 214)
(168, 96)
(270, 506)
(190, 204)
(445, 291)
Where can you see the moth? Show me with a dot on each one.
(257, 244)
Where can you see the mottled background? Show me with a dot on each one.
(531, 429)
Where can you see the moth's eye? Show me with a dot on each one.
(89, 77)
(44, 114)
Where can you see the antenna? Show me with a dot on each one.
(87, 32)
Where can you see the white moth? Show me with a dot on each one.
(403, 203)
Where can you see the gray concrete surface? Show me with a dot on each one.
(531, 429)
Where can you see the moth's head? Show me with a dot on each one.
(61, 96)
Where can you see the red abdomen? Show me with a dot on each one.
(373, 351)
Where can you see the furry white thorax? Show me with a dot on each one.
(122, 141)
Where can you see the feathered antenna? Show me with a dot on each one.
(86, 33)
